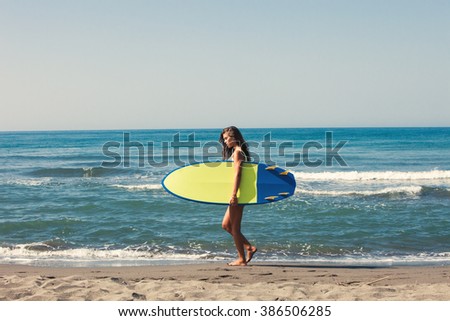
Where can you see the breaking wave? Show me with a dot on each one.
(373, 176)
(388, 191)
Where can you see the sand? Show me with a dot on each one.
(217, 281)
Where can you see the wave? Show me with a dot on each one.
(435, 191)
(373, 176)
(142, 187)
(388, 191)
(408, 191)
(419, 259)
(33, 182)
(77, 172)
(40, 253)
(44, 255)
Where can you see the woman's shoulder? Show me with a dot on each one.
(239, 153)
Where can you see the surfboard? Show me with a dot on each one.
(212, 183)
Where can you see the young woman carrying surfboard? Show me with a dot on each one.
(235, 148)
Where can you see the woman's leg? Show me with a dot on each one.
(232, 224)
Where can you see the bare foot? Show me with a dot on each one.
(237, 263)
(250, 252)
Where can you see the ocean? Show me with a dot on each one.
(364, 197)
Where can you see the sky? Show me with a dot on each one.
(75, 65)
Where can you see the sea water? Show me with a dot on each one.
(365, 196)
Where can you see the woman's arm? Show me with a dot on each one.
(237, 164)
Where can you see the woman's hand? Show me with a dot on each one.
(233, 200)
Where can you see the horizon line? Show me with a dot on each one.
(212, 128)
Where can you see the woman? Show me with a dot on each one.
(235, 148)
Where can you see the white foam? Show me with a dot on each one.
(32, 182)
(373, 176)
(21, 253)
(442, 258)
(405, 190)
(139, 187)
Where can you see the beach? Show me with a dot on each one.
(219, 282)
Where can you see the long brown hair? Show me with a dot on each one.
(235, 133)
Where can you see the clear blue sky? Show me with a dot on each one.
(196, 64)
